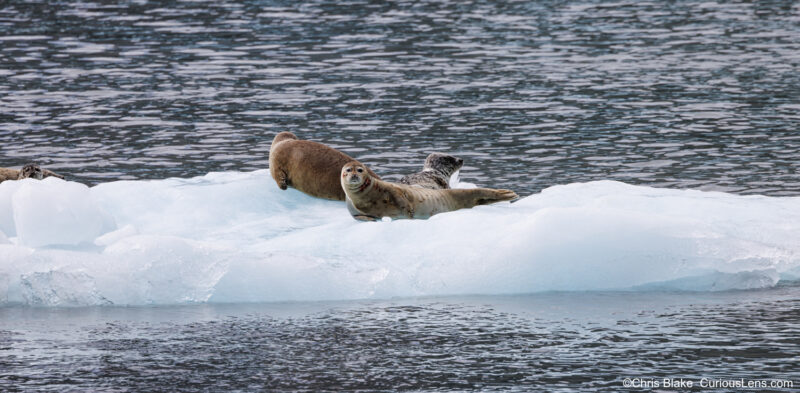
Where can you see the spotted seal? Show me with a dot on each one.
(436, 173)
(373, 199)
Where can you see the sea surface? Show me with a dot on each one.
(684, 95)
(554, 342)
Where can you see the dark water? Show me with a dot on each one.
(686, 94)
(546, 342)
(682, 94)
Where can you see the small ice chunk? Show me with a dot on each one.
(57, 212)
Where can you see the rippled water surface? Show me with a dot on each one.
(680, 94)
(688, 94)
(546, 342)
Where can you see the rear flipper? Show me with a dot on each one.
(281, 179)
(48, 173)
(488, 195)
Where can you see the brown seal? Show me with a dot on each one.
(307, 166)
(28, 171)
(374, 198)
(436, 173)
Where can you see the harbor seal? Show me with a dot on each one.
(308, 166)
(31, 170)
(436, 173)
(374, 199)
(27, 171)
(8, 174)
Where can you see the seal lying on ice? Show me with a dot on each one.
(372, 198)
(436, 173)
(27, 171)
(308, 166)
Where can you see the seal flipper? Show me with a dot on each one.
(49, 173)
(357, 214)
(402, 201)
(488, 196)
(282, 180)
(365, 218)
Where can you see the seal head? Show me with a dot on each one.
(444, 164)
(31, 171)
(356, 180)
(355, 176)
(283, 136)
(436, 173)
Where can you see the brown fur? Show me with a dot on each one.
(374, 198)
(27, 171)
(307, 166)
(8, 174)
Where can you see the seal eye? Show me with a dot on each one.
(348, 170)
(360, 170)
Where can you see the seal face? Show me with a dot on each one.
(371, 199)
(307, 166)
(436, 173)
(31, 170)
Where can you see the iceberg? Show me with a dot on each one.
(236, 237)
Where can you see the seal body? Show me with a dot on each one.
(307, 166)
(27, 171)
(374, 199)
(8, 174)
(436, 173)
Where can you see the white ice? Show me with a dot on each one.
(231, 237)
